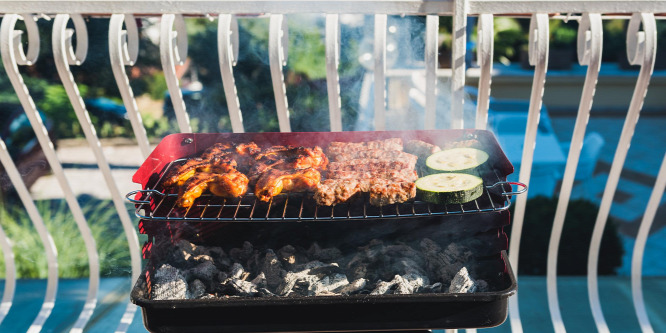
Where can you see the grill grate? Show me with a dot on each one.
(159, 205)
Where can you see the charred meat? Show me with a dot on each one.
(275, 181)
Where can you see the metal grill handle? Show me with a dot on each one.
(130, 194)
(522, 188)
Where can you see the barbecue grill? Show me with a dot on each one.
(476, 226)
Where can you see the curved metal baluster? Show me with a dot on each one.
(173, 50)
(639, 248)
(278, 42)
(380, 72)
(538, 53)
(641, 49)
(13, 55)
(8, 254)
(484, 54)
(44, 236)
(332, 76)
(227, 49)
(431, 43)
(458, 50)
(123, 51)
(64, 56)
(590, 37)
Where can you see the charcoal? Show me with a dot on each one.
(329, 285)
(359, 271)
(243, 288)
(169, 284)
(405, 251)
(287, 254)
(290, 281)
(272, 269)
(353, 287)
(328, 254)
(443, 265)
(205, 271)
(462, 282)
(242, 254)
(216, 252)
(481, 286)
(402, 286)
(237, 271)
(260, 280)
(265, 293)
(221, 276)
(196, 289)
(411, 283)
(408, 266)
(301, 277)
(325, 270)
(383, 287)
(432, 288)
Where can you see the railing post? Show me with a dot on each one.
(484, 55)
(590, 38)
(380, 72)
(458, 50)
(123, 51)
(538, 53)
(641, 50)
(639, 248)
(431, 43)
(13, 55)
(227, 49)
(332, 76)
(64, 56)
(278, 42)
(173, 50)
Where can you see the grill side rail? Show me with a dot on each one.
(641, 41)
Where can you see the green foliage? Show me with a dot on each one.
(55, 104)
(30, 258)
(509, 39)
(575, 242)
(563, 35)
(307, 56)
(156, 127)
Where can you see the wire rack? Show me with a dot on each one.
(161, 205)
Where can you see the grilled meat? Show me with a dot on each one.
(287, 158)
(370, 154)
(381, 191)
(216, 164)
(275, 181)
(362, 165)
(386, 192)
(334, 191)
(228, 185)
(420, 148)
(402, 175)
(337, 148)
(220, 158)
(379, 168)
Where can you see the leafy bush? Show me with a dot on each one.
(575, 242)
(30, 258)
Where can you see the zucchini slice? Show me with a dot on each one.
(460, 160)
(449, 188)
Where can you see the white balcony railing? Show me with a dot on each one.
(19, 48)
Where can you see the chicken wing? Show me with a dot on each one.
(228, 185)
(287, 158)
(215, 164)
(275, 181)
